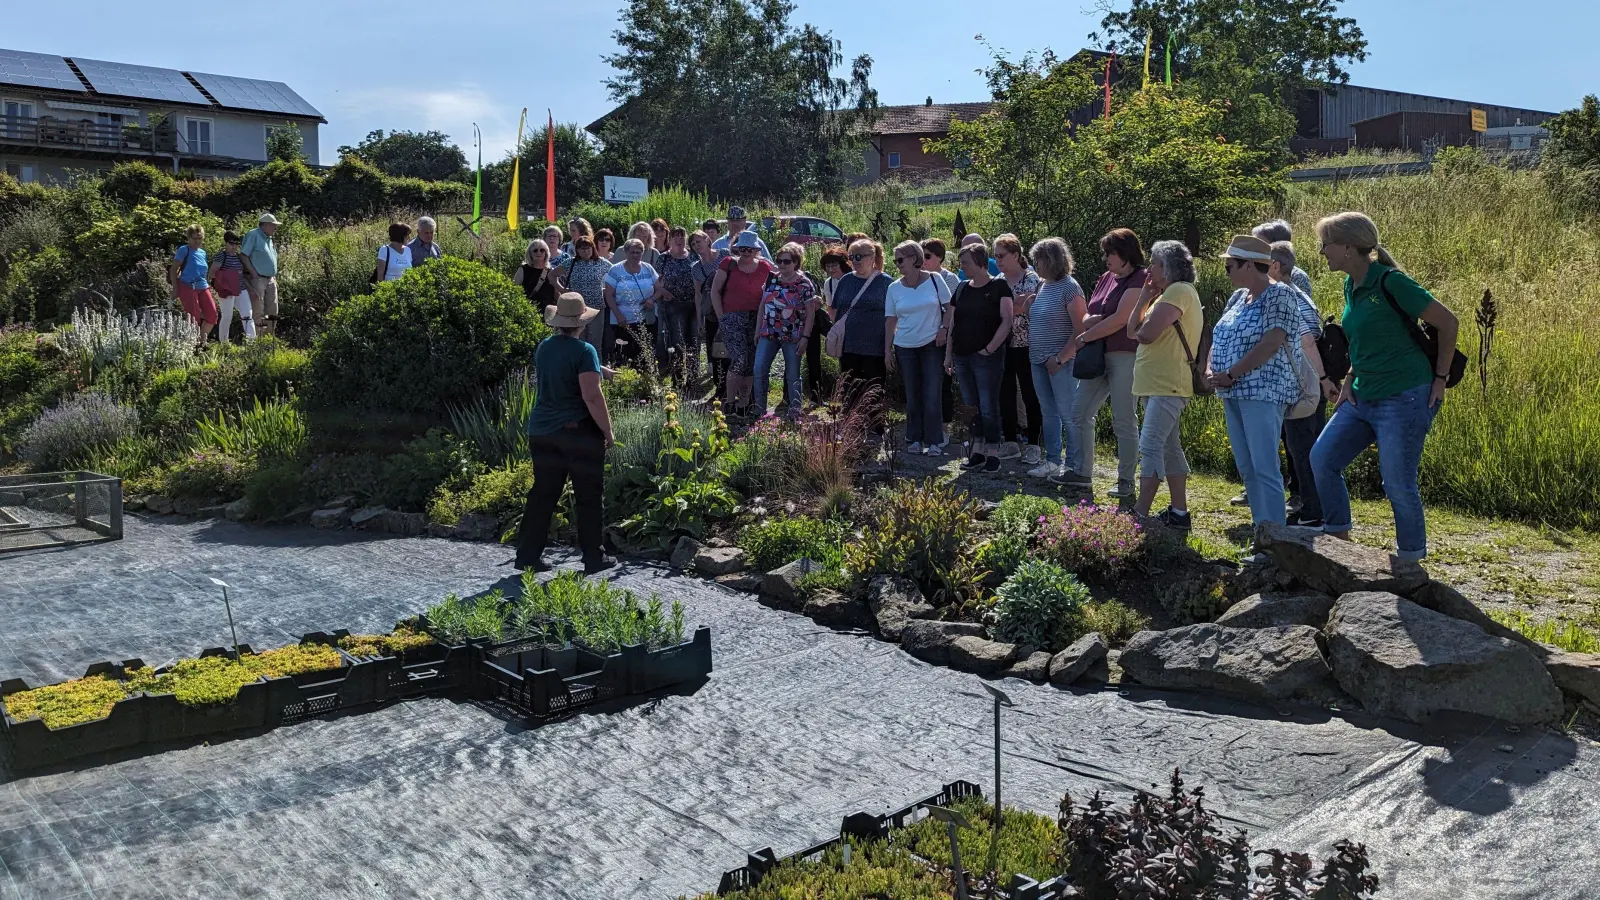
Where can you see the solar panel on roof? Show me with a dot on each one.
(251, 93)
(144, 82)
(38, 70)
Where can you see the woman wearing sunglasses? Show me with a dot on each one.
(858, 309)
(736, 294)
(788, 307)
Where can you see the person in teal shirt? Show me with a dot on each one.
(1393, 390)
(260, 257)
(569, 432)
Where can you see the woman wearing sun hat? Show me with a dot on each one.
(569, 432)
(1253, 371)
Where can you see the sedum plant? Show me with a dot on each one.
(1039, 606)
(67, 703)
(403, 638)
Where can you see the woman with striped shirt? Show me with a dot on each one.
(1056, 315)
(227, 278)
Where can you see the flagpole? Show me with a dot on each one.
(477, 189)
(1169, 59)
(1109, 61)
(550, 168)
(513, 211)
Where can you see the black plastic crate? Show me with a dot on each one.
(34, 744)
(545, 681)
(858, 825)
(431, 669)
(651, 670)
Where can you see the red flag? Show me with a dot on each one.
(1111, 59)
(550, 170)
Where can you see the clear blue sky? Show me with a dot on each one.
(446, 65)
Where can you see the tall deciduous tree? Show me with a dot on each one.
(414, 154)
(578, 174)
(730, 97)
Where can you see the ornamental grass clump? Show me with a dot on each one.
(1093, 541)
(1040, 606)
(68, 703)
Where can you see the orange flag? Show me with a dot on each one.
(550, 170)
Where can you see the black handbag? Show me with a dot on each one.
(1426, 337)
(1090, 361)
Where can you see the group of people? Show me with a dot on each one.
(243, 279)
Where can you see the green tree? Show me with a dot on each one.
(428, 155)
(1571, 159)
(578, 173)
(286, 143)
(769, 117)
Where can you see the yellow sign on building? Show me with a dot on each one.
(1480, 120)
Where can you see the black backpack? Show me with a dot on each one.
(1426, 337)
(1334, 348)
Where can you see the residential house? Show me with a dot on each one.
(60, 115)
(894, 145)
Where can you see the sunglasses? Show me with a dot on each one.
(857, 257)
(743, 250)
(787, 261)
(931, 256)
(536, 250)
(907, 261)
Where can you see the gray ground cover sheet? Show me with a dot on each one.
(798, 727)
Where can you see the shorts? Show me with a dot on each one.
(264, 297)
(198, 303)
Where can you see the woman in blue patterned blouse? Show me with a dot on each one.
(1253, 372)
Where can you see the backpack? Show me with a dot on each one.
(1334, 348)
(1426, 337)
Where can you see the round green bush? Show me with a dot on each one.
(440, 335)
(1040, 605)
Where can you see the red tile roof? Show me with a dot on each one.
(922, 118)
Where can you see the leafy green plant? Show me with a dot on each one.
(207, 475)
(782, 540)
(269, 431)
(34, 375)
(920, 531)
(1199, 597)
(1022, 514)
(497, 492)
(593, 614)
(1093, 541)
(1569, 636)
(679, 499)
(1002, 554)
(455, 620)
(497, 424)
(1113, 620)
(215, 680)
(1039, 606)
(67, 703)
(403, 638)
(438, 460)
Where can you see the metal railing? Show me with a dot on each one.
(84, 134)
(58, 509)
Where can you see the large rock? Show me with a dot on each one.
(930, 641)
(895, 601)
(476, 527)
(684, 552)
(1268, 610)
(714, 561)
(1336, 567)
(837, 610)
(401, 523)
(783, 583)
(981, 655)
(368, 517)
(1034, 667)
(188, 506)
(1402, 660)
(158, 504)
(1070, 664)
(334, 517)
(1575, 673)
(1257, 663)
(1446, 600)
(743, 582)
(215, 511)
(239, 510)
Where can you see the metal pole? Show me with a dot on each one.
(955, 860)
(994, 836)
(229, 607)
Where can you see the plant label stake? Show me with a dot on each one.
(229, 607)
(1000, 699)
(954, 820)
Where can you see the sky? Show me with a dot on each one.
(437, 66)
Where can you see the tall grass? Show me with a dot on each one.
(496, 423)
(273, 430)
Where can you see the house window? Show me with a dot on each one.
(15, 111)
(198, 134)
(22, 172)
(894, 159)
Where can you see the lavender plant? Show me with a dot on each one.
(75, 429)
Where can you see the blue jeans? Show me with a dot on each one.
(922, 373)
(1253, 430)
(1058, 397)
(979, 377)
(767, 351)
(1399, 424)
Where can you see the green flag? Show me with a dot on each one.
(1169, 59)
(477, 190)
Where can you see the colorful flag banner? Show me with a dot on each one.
(1169, 59)
(1148, 35)
(513, 211)
(477, 189)
(550, 170)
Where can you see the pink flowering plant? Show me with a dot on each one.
(1092, 541)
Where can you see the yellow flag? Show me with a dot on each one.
(1147, 36)
(513, 213)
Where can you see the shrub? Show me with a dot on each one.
(1092, 541)
(1114, 621)
(320, 271)
(920, 531)
(438, 459)
(34, 229)
(500, 492)
(233, 379)
(152, 339)
(112, 247)
(438, 336)
(275, 489)
(630, 386)
(1001, 555)
(131, 183)
(1039, 606)
(1200, 597)
(33, 376)
(207, 475)
(1021, 514)
(780, 541)
(593, 613)
(37, 288)
(70, 432)
(271, 431)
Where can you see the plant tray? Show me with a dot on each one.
(34, 744)
(432, 669)
(545, 682)
(857, 825)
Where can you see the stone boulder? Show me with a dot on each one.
(1033, 667)
(1446, 600)
(129, 504)
(1576, 673)
(216, 511)
(684, 552)
(930, 641)
(714, 561)
(158, 504)
(333, 517)
(981, 655)
(1399, 659)
(367, 517)
(477, 527)
(743, 582)
(1070, 664)
(188, 506)
(239, 510)
(1269, 610)
(401, 523)
(895, 601)
(1257, 663)
(783, 583)
(1336, 567)
(837, 610)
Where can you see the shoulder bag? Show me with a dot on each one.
(1197, 366)
(835, 342)
(1426, 337)
(1310, 386)
(379, 273)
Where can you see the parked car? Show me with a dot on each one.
(802, 229)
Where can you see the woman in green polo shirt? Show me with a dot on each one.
(569, 432)
(1393, 390)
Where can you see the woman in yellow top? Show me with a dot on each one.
(1167, 316)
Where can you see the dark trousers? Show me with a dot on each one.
(1299, 436)
(676, 342)
(979, 376)
(819, 329)
(578, 452)
(922, 374)
(947, 401)
(862, 371)
(1018, 376)
(719, 365)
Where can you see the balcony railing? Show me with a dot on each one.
(84, 134)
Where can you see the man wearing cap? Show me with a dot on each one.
(569, 431)
(737, 223)
(260, 259)
(1253, 370)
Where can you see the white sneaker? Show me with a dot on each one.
(1044, 470)
(914, 448)
(934, 450)
(1009, 450)
(1032, 455)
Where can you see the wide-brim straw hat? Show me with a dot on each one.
(569, 312)
(1248, 247)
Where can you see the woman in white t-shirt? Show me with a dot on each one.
(394, 258)
(630, 289)
(914, 339)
